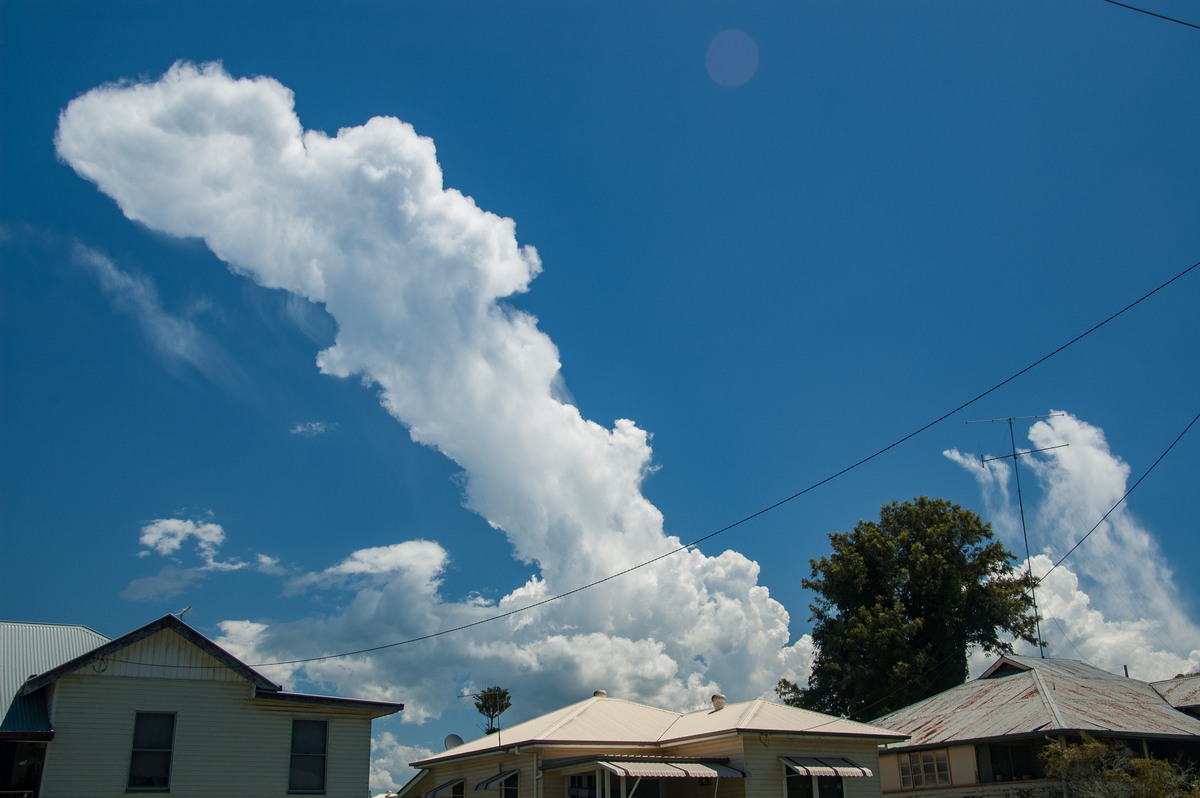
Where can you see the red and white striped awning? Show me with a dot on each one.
(671, 770)
(824, 766)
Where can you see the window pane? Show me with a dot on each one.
(150, 769)
(308, 736)
(307, 771)
(150, 757)
(829, 786)
(799, 786)
(153, 730)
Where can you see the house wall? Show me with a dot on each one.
(964, 768)
(762, 760)
(226, 743)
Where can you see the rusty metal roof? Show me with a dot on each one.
(1025, 696)
(1181, 693)
(27, 649)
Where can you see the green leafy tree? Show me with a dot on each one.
(491, 703)
(1093, 769)
(899, 603)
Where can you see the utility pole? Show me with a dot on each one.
(1021, 504)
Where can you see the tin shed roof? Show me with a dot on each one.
(1181, 693)
(27, 649)
(1023, 696)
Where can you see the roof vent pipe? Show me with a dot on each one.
(600, 694)
(718, 701)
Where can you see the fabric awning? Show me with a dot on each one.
(441, 788)
(495, 781)
(671, 770)
(824, 766)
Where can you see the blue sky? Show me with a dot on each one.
(598, 279)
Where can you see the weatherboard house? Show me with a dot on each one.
(612, 748)
(982, 739)
(164, 709)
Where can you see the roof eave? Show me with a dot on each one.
(377, 708)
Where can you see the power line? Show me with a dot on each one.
(763, 511)
(1121, 500)
(1153, 14)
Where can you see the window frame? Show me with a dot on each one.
(511, 787)
(135, 750)
(308, 755)
(917, 773)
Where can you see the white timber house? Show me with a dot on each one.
(164, 709)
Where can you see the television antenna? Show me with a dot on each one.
(1012, 439)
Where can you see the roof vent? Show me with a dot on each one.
(718, 701)
(600, 694)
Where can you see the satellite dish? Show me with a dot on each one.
(453, 741)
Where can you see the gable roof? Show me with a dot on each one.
(618, 723)
(27, 649)
(263, 688)
(165, 623)
(1025, 696)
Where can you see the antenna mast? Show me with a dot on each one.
(1021, 506)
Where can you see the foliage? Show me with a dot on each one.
(898, 604)
(491, 703)
(1093, 769)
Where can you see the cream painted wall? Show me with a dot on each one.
(226, 743)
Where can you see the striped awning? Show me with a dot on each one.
(495, 781)
(671, 770)
(824, 766)
(441, 788)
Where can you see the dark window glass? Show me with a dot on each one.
(799, 785)
(150, 760)
(508, 789)
(307, 772)
(829, 786)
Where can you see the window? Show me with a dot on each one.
(802, 785)
(1010, 761)
(508, 787)
(307, 771)
(925, 768)
(150, 761)
(582, 785)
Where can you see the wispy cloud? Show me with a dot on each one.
(311, 429)
(415, 276)
(176, 338)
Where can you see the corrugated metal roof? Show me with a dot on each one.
(765, 716)
(1182, 693)
(614, 721)
(27, 649)
(1027, 696)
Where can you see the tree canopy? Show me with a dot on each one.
(491, 703)
(1094, 769)
(899, 603)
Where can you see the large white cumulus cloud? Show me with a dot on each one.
(1115, 601)
(414, 275)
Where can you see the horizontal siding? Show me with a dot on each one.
(762, 759)
(226, 744)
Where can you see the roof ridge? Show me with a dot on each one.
(574, 713)
(1047, 699)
